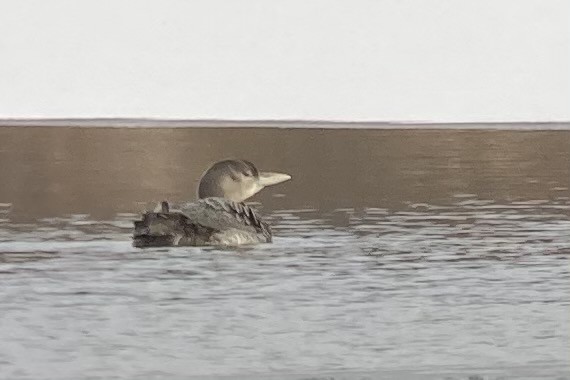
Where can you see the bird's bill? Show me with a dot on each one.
(268, 178)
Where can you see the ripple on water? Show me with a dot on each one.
(473, 286)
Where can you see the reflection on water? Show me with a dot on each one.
(399, 254)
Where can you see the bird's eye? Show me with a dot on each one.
(248, 174)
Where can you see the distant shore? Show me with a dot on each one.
(319, 124)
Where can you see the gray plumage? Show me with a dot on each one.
(219, 218)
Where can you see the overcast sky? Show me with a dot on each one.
(421, 60)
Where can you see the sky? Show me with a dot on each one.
(345, 60)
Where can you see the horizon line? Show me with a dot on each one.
(158, 122)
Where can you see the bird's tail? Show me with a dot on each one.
(160, 228)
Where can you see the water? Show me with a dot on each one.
(398, 254)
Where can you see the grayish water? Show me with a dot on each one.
(398, 254)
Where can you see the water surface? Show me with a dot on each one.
(398, 254)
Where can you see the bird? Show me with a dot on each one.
(219, 217)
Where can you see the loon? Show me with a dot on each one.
(218, 217)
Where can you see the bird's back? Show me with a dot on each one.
(208, 221)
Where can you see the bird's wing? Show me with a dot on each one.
(222, 214)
